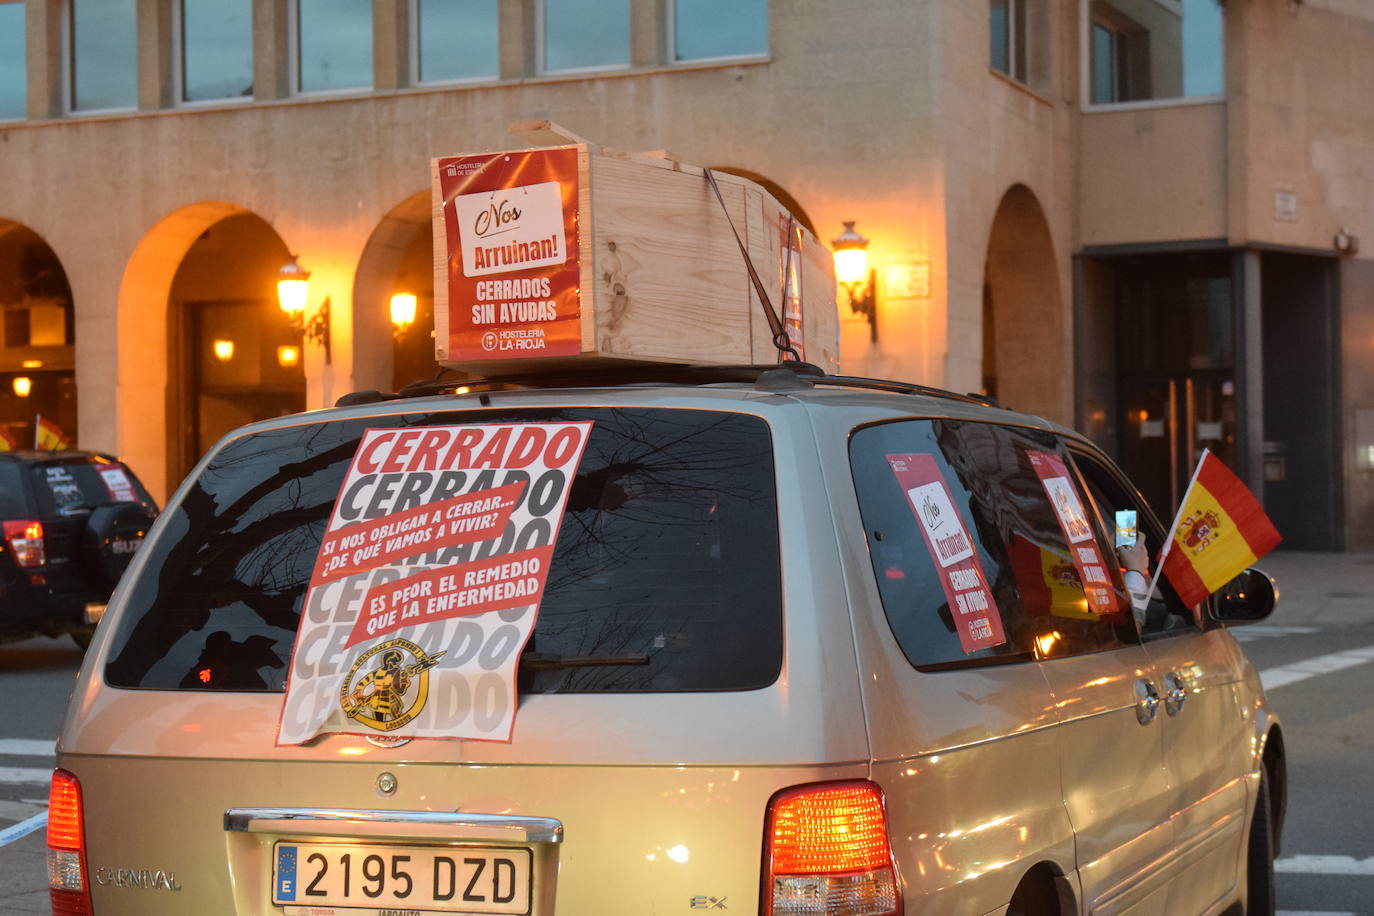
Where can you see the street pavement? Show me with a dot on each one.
(1316, 655)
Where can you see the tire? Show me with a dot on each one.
(113, 534)
(1259, 856)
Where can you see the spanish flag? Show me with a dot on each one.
(1047, 580)
(1220, 530)
(7, 441)
(48, 435)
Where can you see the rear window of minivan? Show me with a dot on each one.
(70, 485)
(668, 549)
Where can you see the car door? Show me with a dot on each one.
(1107, 695)
(1205, 727)
(961, 516)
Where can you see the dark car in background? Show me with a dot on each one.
(71, 521)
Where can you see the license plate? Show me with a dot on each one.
(311, 878)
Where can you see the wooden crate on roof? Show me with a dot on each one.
(568, 253)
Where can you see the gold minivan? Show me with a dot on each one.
(807, 645)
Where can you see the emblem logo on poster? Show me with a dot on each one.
(489, 340)
(383, 698)
(511, 230)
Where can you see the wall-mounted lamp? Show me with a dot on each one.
(293, 292)
(1345, 241)
(853, 273)
(288, 356)
(402, 313)
(23, 385)
(224, 350)
(32, 364)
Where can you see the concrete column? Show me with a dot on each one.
(43, 38)
(390, 45)
(157, 54)
(272, 34)
(1237, 84)
(649, 33)
(1250, 371)
(518, 54)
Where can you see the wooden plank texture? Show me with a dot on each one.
(662, 278)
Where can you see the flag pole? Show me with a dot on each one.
(1178, 517)
(37, 425)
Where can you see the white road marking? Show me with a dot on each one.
(1324, 865)
(28, 747)
(23, 828)
(1310, 913)
(1252, 632)
(31, 776)
(1322, 664)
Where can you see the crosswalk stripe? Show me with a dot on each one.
(29, 776)
(1322, 664)
(1252, 632)
(27, 747)
(1324, 865)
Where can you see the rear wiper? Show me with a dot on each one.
(538, 661)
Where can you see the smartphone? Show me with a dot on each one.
(1126, 531)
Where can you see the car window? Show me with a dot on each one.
(77, 484)
(1022, 513)
(1110, 492)
(14, 496)
(668, 550)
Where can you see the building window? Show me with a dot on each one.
(1008, 24)
(456, 40)
(13, 60)
(706, 29)
(1154, 49)
(1111, 63)
(216, 49)
(103, 45)
(333, 45)
(585, 34)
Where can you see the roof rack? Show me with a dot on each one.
(789, 375)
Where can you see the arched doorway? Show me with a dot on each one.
(1027, 351)
(205, 273)
(398, 257)
(234, 356)
(37, 339)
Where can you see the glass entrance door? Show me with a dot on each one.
(1168, 419)
(1175, 369)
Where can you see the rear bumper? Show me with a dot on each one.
(26, 609)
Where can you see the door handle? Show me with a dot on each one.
(1175, 692)
(1146, 701)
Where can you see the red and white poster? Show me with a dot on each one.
(118, 484)
(1078, 533)
(977, 620)
(428, 581)
(511, 237)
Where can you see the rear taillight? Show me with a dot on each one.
(826, 853)
(26, 540)
(67, 884)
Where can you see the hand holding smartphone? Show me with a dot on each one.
(1126, 530)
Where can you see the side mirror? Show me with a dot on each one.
(1249, 597)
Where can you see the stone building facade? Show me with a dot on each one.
(1141, 217)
